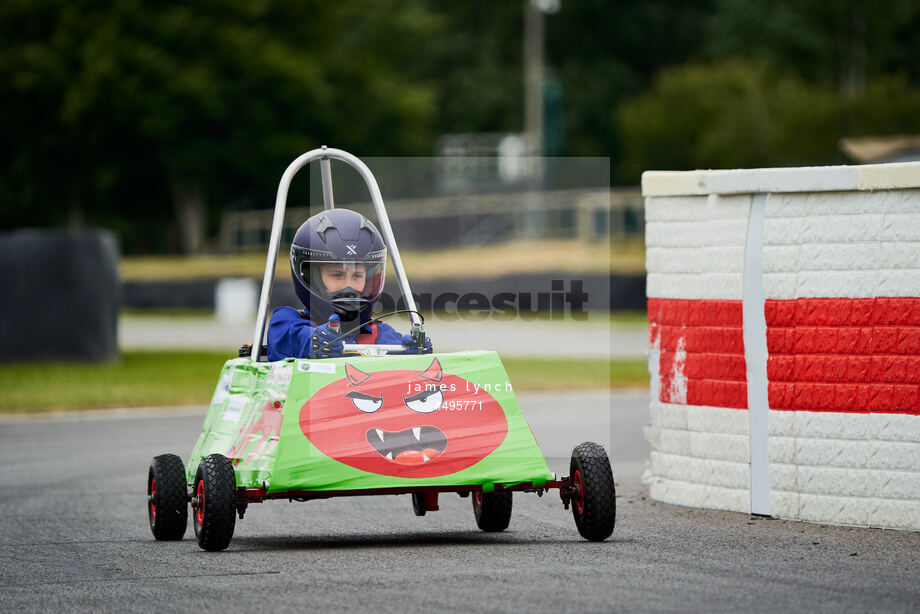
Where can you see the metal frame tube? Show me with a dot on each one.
(274, 243)
(326, 171)
(258, 495)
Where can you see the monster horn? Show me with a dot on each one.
(356, 376)
(433, 373)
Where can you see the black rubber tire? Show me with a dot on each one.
(595, 511)
(167, 498)
(418, 503)
(214, 520)
(492, 510)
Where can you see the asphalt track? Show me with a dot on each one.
(74, 537)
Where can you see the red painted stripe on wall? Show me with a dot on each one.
(701, 351)
(844, 355)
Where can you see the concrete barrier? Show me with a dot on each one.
(784, 320)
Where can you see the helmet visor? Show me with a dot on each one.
(357, 279)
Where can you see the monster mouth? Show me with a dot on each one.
(412, 446)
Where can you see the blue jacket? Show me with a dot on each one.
(290, 332)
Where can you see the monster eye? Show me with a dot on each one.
(425, 402)
(365, 402)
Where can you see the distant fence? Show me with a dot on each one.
(586, 214)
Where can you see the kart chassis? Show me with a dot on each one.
(589, 489)
(568, 492)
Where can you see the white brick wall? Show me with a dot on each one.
(842, 244)
(830, 232)
(694, 250)
(695, 246)
(700, 455)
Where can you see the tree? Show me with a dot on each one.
(729, 115)
(834, 43)
(116, 109)
(607, 52)
(750, 114)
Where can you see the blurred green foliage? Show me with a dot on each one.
(117, 113)
(746, 114)
(777, 83)
(112, 110)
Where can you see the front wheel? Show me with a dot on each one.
(492, 510)
(214, 502)
(167, 498)
(594, 503)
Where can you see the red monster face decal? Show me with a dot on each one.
(404, 423)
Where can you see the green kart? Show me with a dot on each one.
(376, 421)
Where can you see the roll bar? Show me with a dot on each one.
(325, 154)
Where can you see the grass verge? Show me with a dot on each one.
(150, 378)
(539, 374)
(141, 378)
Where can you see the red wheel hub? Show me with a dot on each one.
(477, 497)
(580, 499)
(199, 513)
(153, 498)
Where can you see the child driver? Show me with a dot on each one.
(338, 262)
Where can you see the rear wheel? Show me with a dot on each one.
(594, 504)
(492, 510)
(214, 502)
(167, 498)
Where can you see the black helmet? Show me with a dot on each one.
(344, 250)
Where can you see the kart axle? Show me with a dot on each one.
(567, 491)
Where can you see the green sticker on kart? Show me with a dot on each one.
(367, 423)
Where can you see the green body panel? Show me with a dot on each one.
(255, 420)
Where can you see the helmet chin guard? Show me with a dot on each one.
(352, 311)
